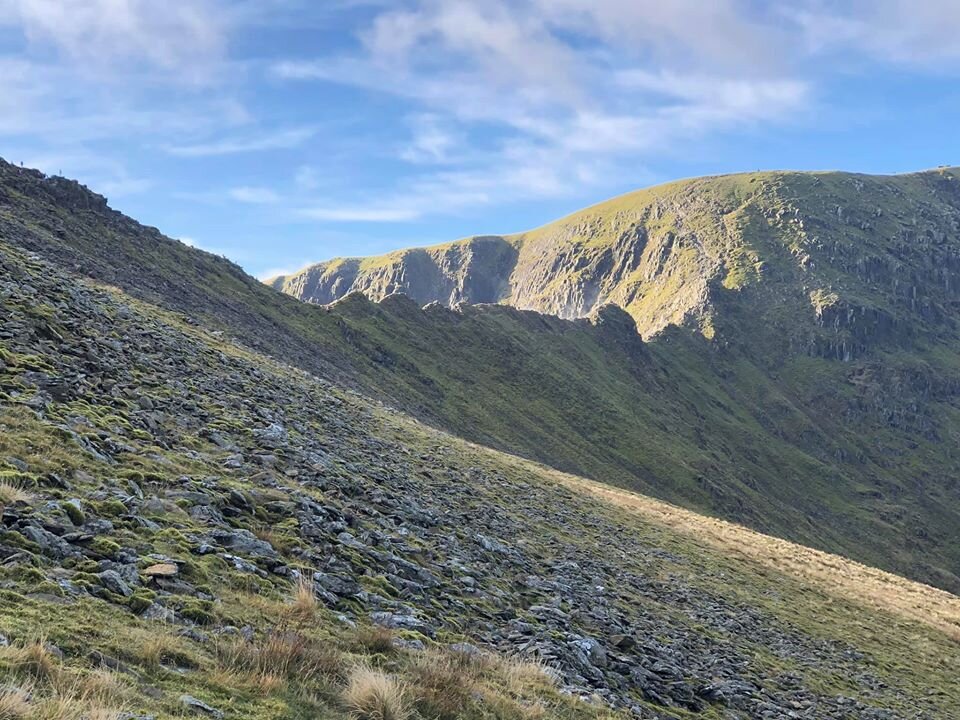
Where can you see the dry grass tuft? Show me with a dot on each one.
(522, 676)
(32, 659)
(160, 649)
(90, 696)
(373, 695)
(267, 664)
(446, 683)
(303, 606)
(14, 702)
(374, 640)
(11, 494)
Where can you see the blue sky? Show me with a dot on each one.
(280, 132)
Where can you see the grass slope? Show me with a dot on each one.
(132, 438)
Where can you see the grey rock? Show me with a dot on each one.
(273, 437)
(396, 621)
(245, 542)
(198, 706)
(113, 582)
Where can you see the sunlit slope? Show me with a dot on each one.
(825, 245)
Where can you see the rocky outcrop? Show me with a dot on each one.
(472, 271)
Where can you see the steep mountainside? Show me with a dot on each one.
(191, 529)
(842, 261)
(853, 457)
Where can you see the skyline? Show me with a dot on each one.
(279, 133)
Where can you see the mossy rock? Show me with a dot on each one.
(17, 540)
(199, 611)
(75, 512)
(112, 508)
(19, 479)
(104, 547)
(140, 601)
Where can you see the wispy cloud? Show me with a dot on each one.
(905, 32)
(433, 140)
(254, 195)
(185, 38)
(279, 140)
(572, 101)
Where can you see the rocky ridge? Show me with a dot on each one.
(853, 261)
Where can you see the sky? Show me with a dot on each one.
(284, 132)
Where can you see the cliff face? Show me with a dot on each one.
(830, 262)
(473, 271)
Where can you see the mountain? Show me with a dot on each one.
(838, 261)
(192, 528)
(853, 457)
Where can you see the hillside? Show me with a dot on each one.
(194, 529)
(843, 261)
(852, 457)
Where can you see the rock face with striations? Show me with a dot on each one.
(474, 271)
(829, 263)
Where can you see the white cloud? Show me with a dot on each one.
(433, 140)
(185, 37)
(565, 94)
(278, 140)
(908, 32)
(254, 195)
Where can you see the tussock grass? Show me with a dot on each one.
(374, 640)
(303, 605)
(11, 493)
(49, 691)
(14, 703)
(32, 659)
(371, 694)
(445, 683)
(523, 675)
(281, 655)
(158, 649)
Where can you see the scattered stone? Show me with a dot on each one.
(161, 570)
(198, 706)
(113, 582)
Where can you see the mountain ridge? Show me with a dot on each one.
(850, 457)
(277, 280)
(663, 253)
